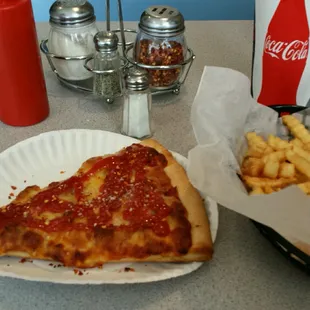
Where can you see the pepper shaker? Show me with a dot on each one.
(108, 78)
(137, 105)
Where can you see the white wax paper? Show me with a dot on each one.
(222, 112)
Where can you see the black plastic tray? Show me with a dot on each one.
(293, 254)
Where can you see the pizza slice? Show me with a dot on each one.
(134, 205)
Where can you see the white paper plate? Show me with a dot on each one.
(40, 160)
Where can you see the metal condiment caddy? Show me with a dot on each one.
(162, 24)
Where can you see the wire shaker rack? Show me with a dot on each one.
(126, 58)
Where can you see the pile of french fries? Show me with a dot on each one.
(272, 165)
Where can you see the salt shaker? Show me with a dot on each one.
(137, 105)
(108, 78)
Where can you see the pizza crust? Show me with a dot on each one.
(202, 248)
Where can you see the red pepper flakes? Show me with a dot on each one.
(14, 188)
(62, 172)
(11, 195)
(127, 269)
(23, 260)
(168, 53)
(50, 264)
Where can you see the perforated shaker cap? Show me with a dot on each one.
(162, 21)
(137, 79)
(64, 13)
(106, 41)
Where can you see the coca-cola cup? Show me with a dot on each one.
(281, 74)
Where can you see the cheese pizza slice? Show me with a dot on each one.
(134, 205)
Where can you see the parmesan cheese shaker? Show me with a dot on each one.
(137, 105)
(72, 31)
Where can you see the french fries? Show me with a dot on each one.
(257, 145)
(255, 182)
(275, 156)
(278, 144)
(305, 187)
(297, 129)
(296, 142)
(272, 165)
(257, 191)
(252, 166)
(302, 165)
(271, 169)
(301, 152)
(287, 170)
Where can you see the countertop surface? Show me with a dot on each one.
(246, 271)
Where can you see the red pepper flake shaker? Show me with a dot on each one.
(23, 97)
(161, 42)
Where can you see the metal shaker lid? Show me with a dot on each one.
(137, 79)
(162, 21)
(66, 13)
(106, 41)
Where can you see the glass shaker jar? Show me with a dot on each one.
(137, 105)
(108, 77)
(161, 41)
(72, 31)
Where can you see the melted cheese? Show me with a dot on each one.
(96, 245)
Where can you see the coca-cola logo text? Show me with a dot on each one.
(295, 50)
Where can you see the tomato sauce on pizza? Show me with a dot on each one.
(124, 204)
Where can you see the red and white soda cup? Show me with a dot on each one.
(281, 70)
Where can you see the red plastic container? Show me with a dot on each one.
(23, 96)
